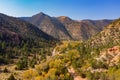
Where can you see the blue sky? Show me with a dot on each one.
(75, 9)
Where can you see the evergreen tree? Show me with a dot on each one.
(11, 77)
(5, 70)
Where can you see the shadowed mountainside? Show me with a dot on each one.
(14, 30)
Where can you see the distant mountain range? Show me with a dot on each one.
(49, 28)
(64, 28)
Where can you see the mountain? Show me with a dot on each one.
(82, 30)
(14, 30)
(49, 25)
(100, 24)
(64, 28)
(110, 36)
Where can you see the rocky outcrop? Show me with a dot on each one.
(108, 37)
(111, 56)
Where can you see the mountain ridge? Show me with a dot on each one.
(107, 37)
(17, 28)
(65, 28)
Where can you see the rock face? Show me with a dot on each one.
(111, 56)
(64, 28)
(14, 30)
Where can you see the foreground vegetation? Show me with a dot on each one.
(70, 54)
(80, 57)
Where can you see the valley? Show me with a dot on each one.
(59, 39)
(59, 48)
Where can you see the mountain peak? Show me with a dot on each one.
(41, 14)
(64, 18)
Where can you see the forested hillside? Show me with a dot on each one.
(21, 42)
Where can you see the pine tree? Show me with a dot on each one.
(11, 77)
